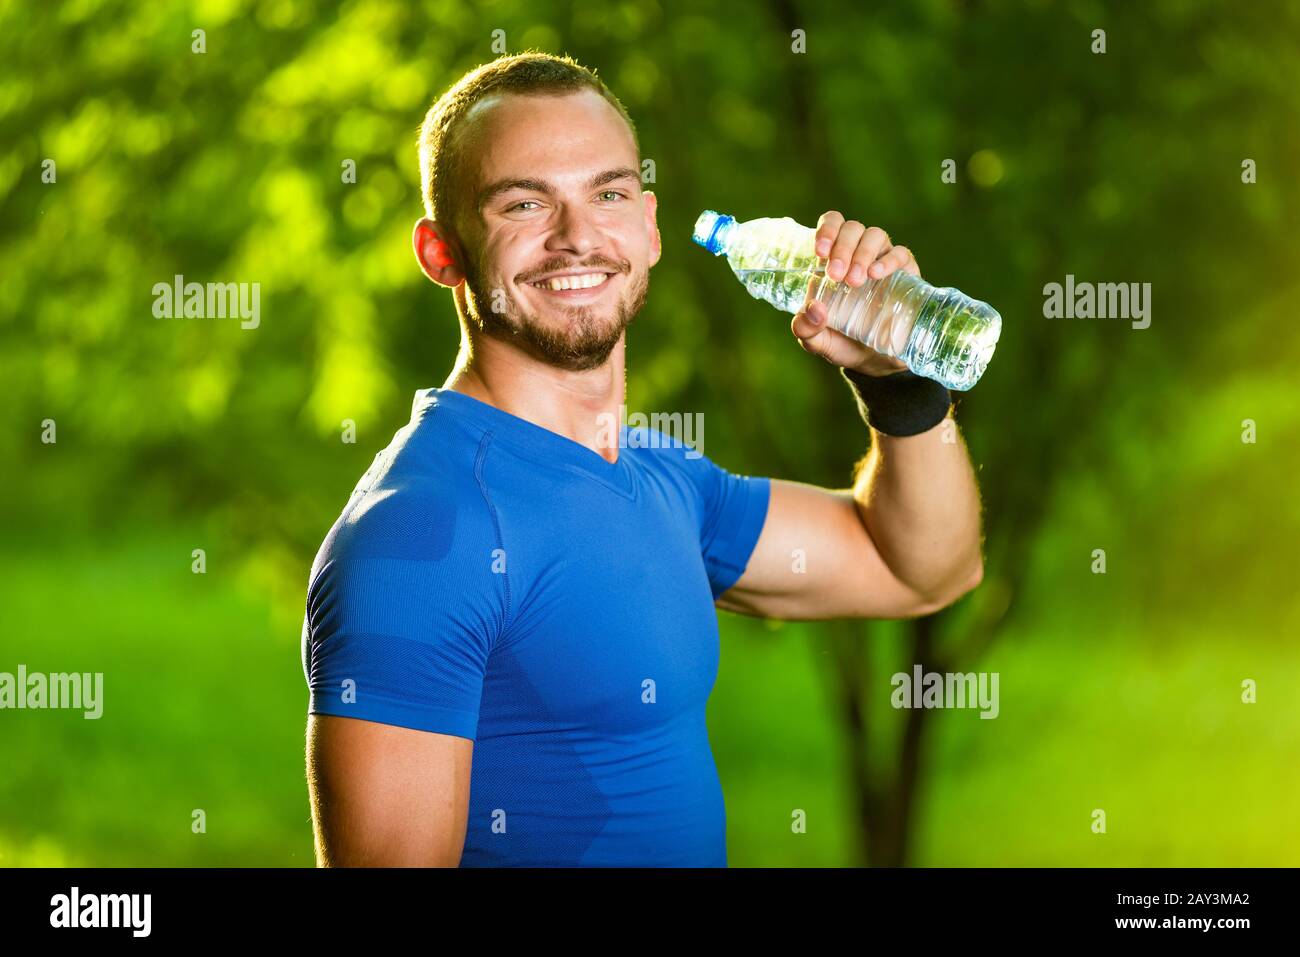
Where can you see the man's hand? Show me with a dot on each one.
(856, 253)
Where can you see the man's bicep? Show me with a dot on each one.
(815, 560)
(386, 796)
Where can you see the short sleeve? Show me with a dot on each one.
(400, 641)
(733, 513)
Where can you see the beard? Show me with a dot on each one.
(585, 335)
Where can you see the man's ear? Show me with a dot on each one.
(434, 254)
(652, 224)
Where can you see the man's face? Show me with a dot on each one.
(551, 186)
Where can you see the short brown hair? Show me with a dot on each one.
(529, 73)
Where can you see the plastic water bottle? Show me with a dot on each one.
(938, 333)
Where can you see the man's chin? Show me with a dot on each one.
(567, 341)
(580, 348)
(578, 322)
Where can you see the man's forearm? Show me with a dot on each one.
(918, 499)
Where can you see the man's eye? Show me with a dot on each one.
(613, 192)
(522, 202)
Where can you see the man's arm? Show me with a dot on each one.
(905, 540)
(386, 796)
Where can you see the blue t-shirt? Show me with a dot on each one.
(492, 579)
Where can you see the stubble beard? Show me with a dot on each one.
(583, 340)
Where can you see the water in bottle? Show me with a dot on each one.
(939, 333)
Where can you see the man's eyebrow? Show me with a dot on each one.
(613, 175)
(506, 185)
(541, 186)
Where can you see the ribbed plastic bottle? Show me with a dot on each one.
(938, 332)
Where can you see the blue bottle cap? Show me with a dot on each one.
(707, 228)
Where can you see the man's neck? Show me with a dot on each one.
(581, 406)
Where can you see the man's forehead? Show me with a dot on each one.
(502, 129)
(496, 107)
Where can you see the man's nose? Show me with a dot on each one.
(574, 233)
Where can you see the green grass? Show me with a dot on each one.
(205, 706)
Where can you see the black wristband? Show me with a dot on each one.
(901, 403)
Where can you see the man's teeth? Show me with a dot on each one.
(586, 281)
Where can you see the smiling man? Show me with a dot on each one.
(511, 629)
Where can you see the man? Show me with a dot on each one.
(511, 631)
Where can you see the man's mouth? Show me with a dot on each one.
(574, 286)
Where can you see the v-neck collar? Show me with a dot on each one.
(534, 441)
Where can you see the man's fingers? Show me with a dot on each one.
(813, 336)
(843, 249)
(898, 257)
(856, 253)
(873, 244)
(819, 339)
(810, 321)
(828, 227)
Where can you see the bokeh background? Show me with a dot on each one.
(1119, 691)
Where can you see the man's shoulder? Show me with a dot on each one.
(417, 500)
